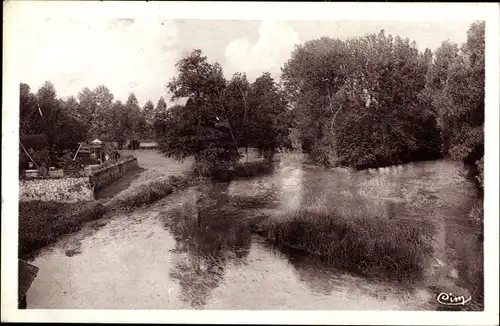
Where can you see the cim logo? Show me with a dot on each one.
(448, 299)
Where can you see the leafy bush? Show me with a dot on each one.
(361, 244)
(148, 192)
(42, 223)
(480, 170)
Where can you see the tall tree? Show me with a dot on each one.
(312, 80)
(50, 107)
(195, 129)
(236, 102)
(161, 105)
(270, 124)
(148, 112)
(30, 120)
(147, 120)
(121, 123)
(102, 118)
(71, 128)
(461, 103)
(87, 106)
(160, 117)
(360, 99)
(133, 114)
(436, 80)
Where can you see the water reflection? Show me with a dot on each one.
(324, 279)
(194, 249)
(291, 181)
(209, 235)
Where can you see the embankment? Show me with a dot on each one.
(44, 222)
(149, 192)
(366, 245)
(111, 173)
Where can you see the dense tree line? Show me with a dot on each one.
(364, 102)
(376, 100)
(92, 114)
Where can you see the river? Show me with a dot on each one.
(189, 251)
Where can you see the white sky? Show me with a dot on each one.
(139, 55)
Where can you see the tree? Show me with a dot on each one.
(133, 117)
(119, 130)
(238, 109)
(87, 106)
(436, 80)
(30, 120)
(102, 118)
(71, 128)
(358, 101)
(160, 115)
(161, 106)
(460, 103)
(312, 79)
(50, 106)
(147, 120)
(269, 116)
(148, 112)
(194, 130)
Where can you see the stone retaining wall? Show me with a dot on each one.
(107, 175)
(60, 189)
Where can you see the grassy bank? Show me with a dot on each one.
(149, 192)
(42, 223)
(374, 247)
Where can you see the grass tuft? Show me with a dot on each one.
(42, 223)
(148, 192)
(371, 246)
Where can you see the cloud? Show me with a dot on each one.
(126, 55)
(268, 54)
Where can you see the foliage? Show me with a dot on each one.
(30, 121)
(148, 192)
(461, 104)
(42, 223)
(146, 126)
(239, 112)
(193, 129)
(376, 100)
(358, 244)
(220, 116)
(270, 119)
(455, 86)
(363, 102)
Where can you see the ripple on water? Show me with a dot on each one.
(166, 257)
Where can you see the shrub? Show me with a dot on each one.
(480, 171)
(148, 192)
(42, 223)
(323, 153)
(251, 169)
(391, 249)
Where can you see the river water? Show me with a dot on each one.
(194, 250)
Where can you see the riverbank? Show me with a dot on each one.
(365, 244)
(199, 243)
(43, 223)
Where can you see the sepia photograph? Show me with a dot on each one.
(230, 164)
